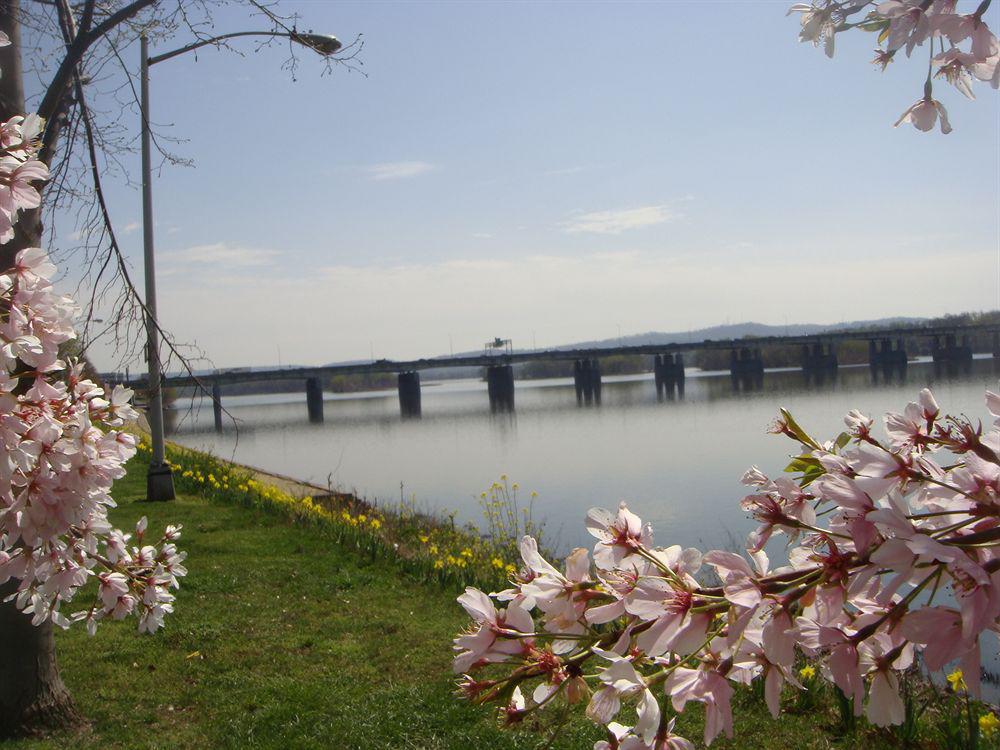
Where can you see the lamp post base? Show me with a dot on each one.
(159, 483)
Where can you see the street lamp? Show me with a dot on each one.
(159, 479)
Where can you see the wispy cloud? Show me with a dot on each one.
(130, 227)
(482, 235)
(563, 171)
(622, 220)
(398, 170)
(219, 254)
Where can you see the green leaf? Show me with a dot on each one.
(811, 475)
(873, 25)
(843, 439)
(801, 435)
(803, 463)
(884, 35)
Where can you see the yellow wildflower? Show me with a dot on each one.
(988, 724)
(466, 552)
(376, 524)
(424, 539)
(433, 549)
(957, 680)
(534, 494)
(807, 672)
(438, 564)
(498, 563)
(511, 570)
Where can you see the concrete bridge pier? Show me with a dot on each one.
(587, 381)
(678, 373)
(500, 386)
(217, 405)
(819, 357)
(668, 371)
(952, 350)
(408, 384)
(595, 380)
(883, 354)
(657, 375)
(314, 400)
(996, 345)
(746, 361)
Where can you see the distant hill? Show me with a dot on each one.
(737, 331)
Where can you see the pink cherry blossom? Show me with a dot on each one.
(924, 113)
(909, 25)
(619, 535)
(62, 451)
(818, 25)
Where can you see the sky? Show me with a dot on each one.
(554, 172)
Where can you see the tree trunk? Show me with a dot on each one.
(33, 697)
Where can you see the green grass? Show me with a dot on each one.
(283, 639)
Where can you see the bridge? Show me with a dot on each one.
(886, 350)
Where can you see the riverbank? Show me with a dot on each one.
(288, 634)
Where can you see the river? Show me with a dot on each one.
(677, 462)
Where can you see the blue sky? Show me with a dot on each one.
(549, 172)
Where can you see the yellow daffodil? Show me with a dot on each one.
(989, 724)
(956, 680)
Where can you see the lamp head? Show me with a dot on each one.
(325, 44)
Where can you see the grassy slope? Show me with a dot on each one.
(280, 639)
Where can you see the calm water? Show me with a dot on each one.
(677, 462)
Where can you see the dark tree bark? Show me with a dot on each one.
(32, 694)
(33, 698)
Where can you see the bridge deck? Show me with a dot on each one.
(485, 360)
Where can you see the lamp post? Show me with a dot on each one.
(159, 479)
